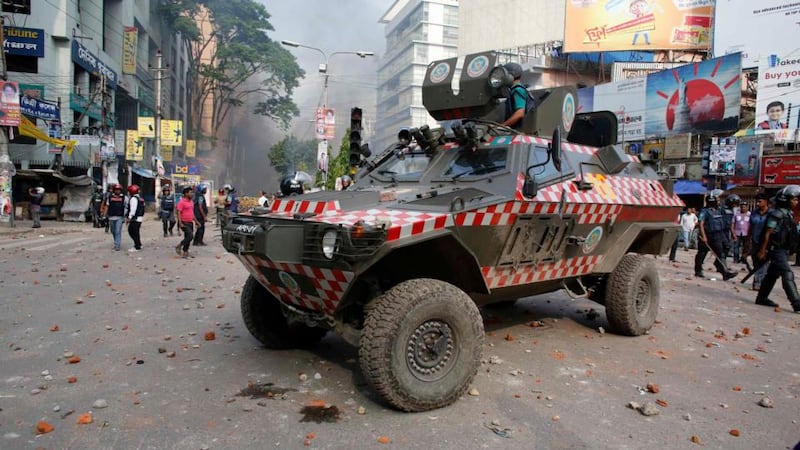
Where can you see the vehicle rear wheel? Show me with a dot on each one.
(264, 318)
(421, 344)
(632, 296)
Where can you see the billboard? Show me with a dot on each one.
(595, 25)
(191, 148)
(626, 99)
(9, 104)
(129, 42)
(741, 26)
(146, 127)
(748, 160)
(778, 101)
(171, 132)
(779, 170)
(134, 146)
(626, 70)
(722, 156)
(166, 153)
(23, 41)
(322, 156)
(702, 96)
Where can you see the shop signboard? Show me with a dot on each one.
(722, 156)
(93, 110)
(778, 100)
(40, 109)
(134, 146)
(92, 64)
(146, 127)
(129, 42)
(171, 132)
(678, 146)
(186, 169)
(166, 153)
(626, 70)
(755, 28)
(191, 148)
(32, 90)
(626, 99)
(593, 25)
(748, 160)
(23, 41)
(779, 170)
(703, 96)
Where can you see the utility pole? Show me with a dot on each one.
(157, 123)
(7, 169)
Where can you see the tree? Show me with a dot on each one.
(231, 58)
(341, 164)
(290, 155)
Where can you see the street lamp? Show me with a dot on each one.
(323, 69)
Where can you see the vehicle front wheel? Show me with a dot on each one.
(632, 295)
(264, 318)
(421, 344)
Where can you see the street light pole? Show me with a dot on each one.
(323, 69)
(157, 124)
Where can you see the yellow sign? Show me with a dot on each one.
(166, 153)
(134, 146)
(611, 25)
(191, 148)
(129, 42)
(171, 132)
(146, 127)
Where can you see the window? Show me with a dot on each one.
(476, 163)
(17, 6)
(547, 173)
(24, 64)
(408, 167)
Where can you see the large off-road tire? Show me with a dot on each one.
(632, 295)
(264, 318)
(421, 344)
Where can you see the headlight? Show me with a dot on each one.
(497, 77)
(329, 243)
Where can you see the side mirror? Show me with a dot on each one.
(530, 188)
(555, 149)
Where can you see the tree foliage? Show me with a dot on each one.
(231, 58)
(340, 165)
(290, 155)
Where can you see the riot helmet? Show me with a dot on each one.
(733, 201)
(712, 197)
(133, 189)
(786, 194)
(291, 186)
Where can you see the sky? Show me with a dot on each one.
(332, 26)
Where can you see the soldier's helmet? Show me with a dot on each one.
(713, 196)
(733, 200)
(786, 194)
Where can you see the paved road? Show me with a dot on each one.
(138, 324)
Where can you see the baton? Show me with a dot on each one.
(755, 269)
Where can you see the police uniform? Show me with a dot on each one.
(717, 228)
(780, 236)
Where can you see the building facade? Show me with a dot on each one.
(417, 32)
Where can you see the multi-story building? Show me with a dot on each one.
(94, 59)
(417, 32)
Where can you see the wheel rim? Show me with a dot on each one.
(643, 292)
(431, 350)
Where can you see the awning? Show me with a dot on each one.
(689, 187)
(80, 180)
(142, 172)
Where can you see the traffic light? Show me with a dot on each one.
(357, 150)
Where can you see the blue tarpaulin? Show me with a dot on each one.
(146, 173)
(691, 187)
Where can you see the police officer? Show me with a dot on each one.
(715, 236)
(779, 238)
(732, 203)
(97, 203)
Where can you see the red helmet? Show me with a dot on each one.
(116, 186)
(133, 189)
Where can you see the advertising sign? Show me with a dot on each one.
(702, 96)
(129, 42)
(320, 124)
(23, 41)
(778, 170)
(146, 127)
(744, 26)
(171, 132)
(166, 153)
(32, 90)
(9, 104)
(777, 104)
(678, 146)
(330, 124)
(626, 99)
(86, 59)
(38, 108)
(84, 140)
(186, 169)
(54, 131)
(626, 70)
(722, 156)
(748, 160)
(595, 25)
(134, 146)
(191, 148)
(322, 156)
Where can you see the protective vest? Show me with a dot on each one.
(785, 236)
(139, 206)
(728, 215)
(116, 206)
(715, 220)
(167, 203)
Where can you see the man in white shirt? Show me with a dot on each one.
(263, 201)
(688, 224)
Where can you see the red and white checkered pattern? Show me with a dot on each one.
(508, 276)
(626, 190)
(565, 146)
(303, 206)
(330, 284)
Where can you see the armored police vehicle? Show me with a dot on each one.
(449, 220)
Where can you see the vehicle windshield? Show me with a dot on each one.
(407, 167)
(479, 162)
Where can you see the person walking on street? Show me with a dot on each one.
(186, 222)
(780, 238)
(688, 224)
(263, 201)
(732, 203)
(758, 220)
(167, 211)
(114, 210)
(714, 237)
(219, 203)
(36, 196)
(97, 205)
(741, 231)
(200, 214)
(135, 217)
(673, 252)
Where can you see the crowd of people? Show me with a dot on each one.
(113, 210)
(766, 236)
